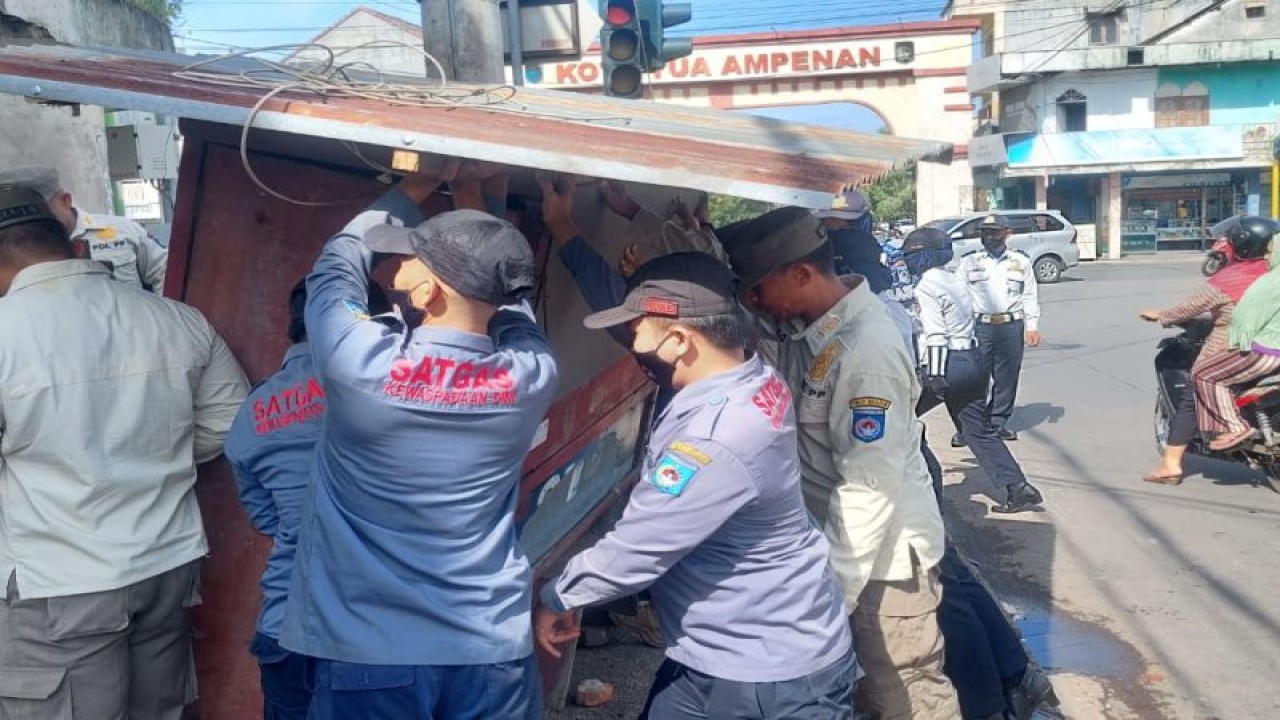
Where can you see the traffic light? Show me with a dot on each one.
(655, 17)
(622, 49)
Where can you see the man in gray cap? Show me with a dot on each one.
(109, 397)
(865, 478)
(121, 244)
(409, 583)
(751, 611)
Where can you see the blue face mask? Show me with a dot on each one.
(919, 262)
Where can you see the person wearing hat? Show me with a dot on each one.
(849, 224)
(409, 585)
(1006, 304)
(109, 398)
(955, 372)
(124, 246)
(864, 476)
(716, 526)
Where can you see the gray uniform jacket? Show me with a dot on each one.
(718, 527)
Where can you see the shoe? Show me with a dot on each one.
(957, 441)
(644, 624)
(1007, 435)
(1033, 692)
(1226, 441)
(1163, 478)
(1021, 498)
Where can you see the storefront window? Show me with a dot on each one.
(1173, 212)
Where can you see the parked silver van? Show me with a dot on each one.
(1044, 235)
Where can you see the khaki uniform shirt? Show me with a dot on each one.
(109, 396)
(865, 479)
(125, 247)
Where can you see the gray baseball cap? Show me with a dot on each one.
(482, 257)
(679, 285)
(848, 205)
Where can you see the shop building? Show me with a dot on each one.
(1146, 138)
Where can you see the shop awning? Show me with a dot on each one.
(707, 150)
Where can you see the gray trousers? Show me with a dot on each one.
(114, 655)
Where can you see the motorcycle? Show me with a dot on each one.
(1219, 256)
(1259, 403)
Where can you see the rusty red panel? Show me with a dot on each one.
(723, 145)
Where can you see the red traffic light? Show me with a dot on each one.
(620, 12)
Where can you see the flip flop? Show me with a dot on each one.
(1230, 440)
(1164, 478)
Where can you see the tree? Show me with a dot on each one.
(166, 10)
(893, 196)
(725, 209)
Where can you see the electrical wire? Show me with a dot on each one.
(332, 75)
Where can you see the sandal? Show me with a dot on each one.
(1161, 478)
(1230, 440)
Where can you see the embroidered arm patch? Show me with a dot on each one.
(867, 423)
(672, 475)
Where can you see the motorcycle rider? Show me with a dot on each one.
(1254, 336)
(1249, 237)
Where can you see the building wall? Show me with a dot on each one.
(42, 135)
(362, 28)
(1062, 25)
(1115, 100)
(1238, 94)
(1228, 22)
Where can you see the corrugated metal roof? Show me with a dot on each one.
(715, 151)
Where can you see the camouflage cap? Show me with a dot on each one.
(759, 246)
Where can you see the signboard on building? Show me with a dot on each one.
(1110, 147)
(1135, 182)
(776, 61)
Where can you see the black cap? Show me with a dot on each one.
(926, 238)
(483, 257)
(20, 205)
(680, 285)
(758, 246)
(993, 222)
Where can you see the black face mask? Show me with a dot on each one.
(659, 371)
(995, 246)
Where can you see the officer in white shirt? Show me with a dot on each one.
(124, 246)
(954, 370)
(1006, 305)
(109, 397)
(864, 477)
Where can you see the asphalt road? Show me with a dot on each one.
(1146, 601)
(1143, 601)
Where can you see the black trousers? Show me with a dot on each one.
(1002, 346)
(1183, 426)
(982, 651)
(967, 378)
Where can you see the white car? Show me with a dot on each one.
(1047, 237)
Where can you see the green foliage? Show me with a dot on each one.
(725, 209)
(893, 196)
(165, 10)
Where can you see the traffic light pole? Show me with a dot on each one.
(1275, 189)
(466, 37)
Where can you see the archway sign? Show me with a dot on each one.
(911, 75)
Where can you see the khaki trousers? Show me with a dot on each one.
(899, 646)
(114, 655)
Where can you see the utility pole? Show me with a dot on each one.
(466, 37)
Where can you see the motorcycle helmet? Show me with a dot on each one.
(1249, 235)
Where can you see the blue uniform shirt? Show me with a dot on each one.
(269, 447)
(718, 527)
(408, 553)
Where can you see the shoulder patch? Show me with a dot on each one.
(105, 233)
(869, 418)
(672, 475)
(821, 365)
(690, 451)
